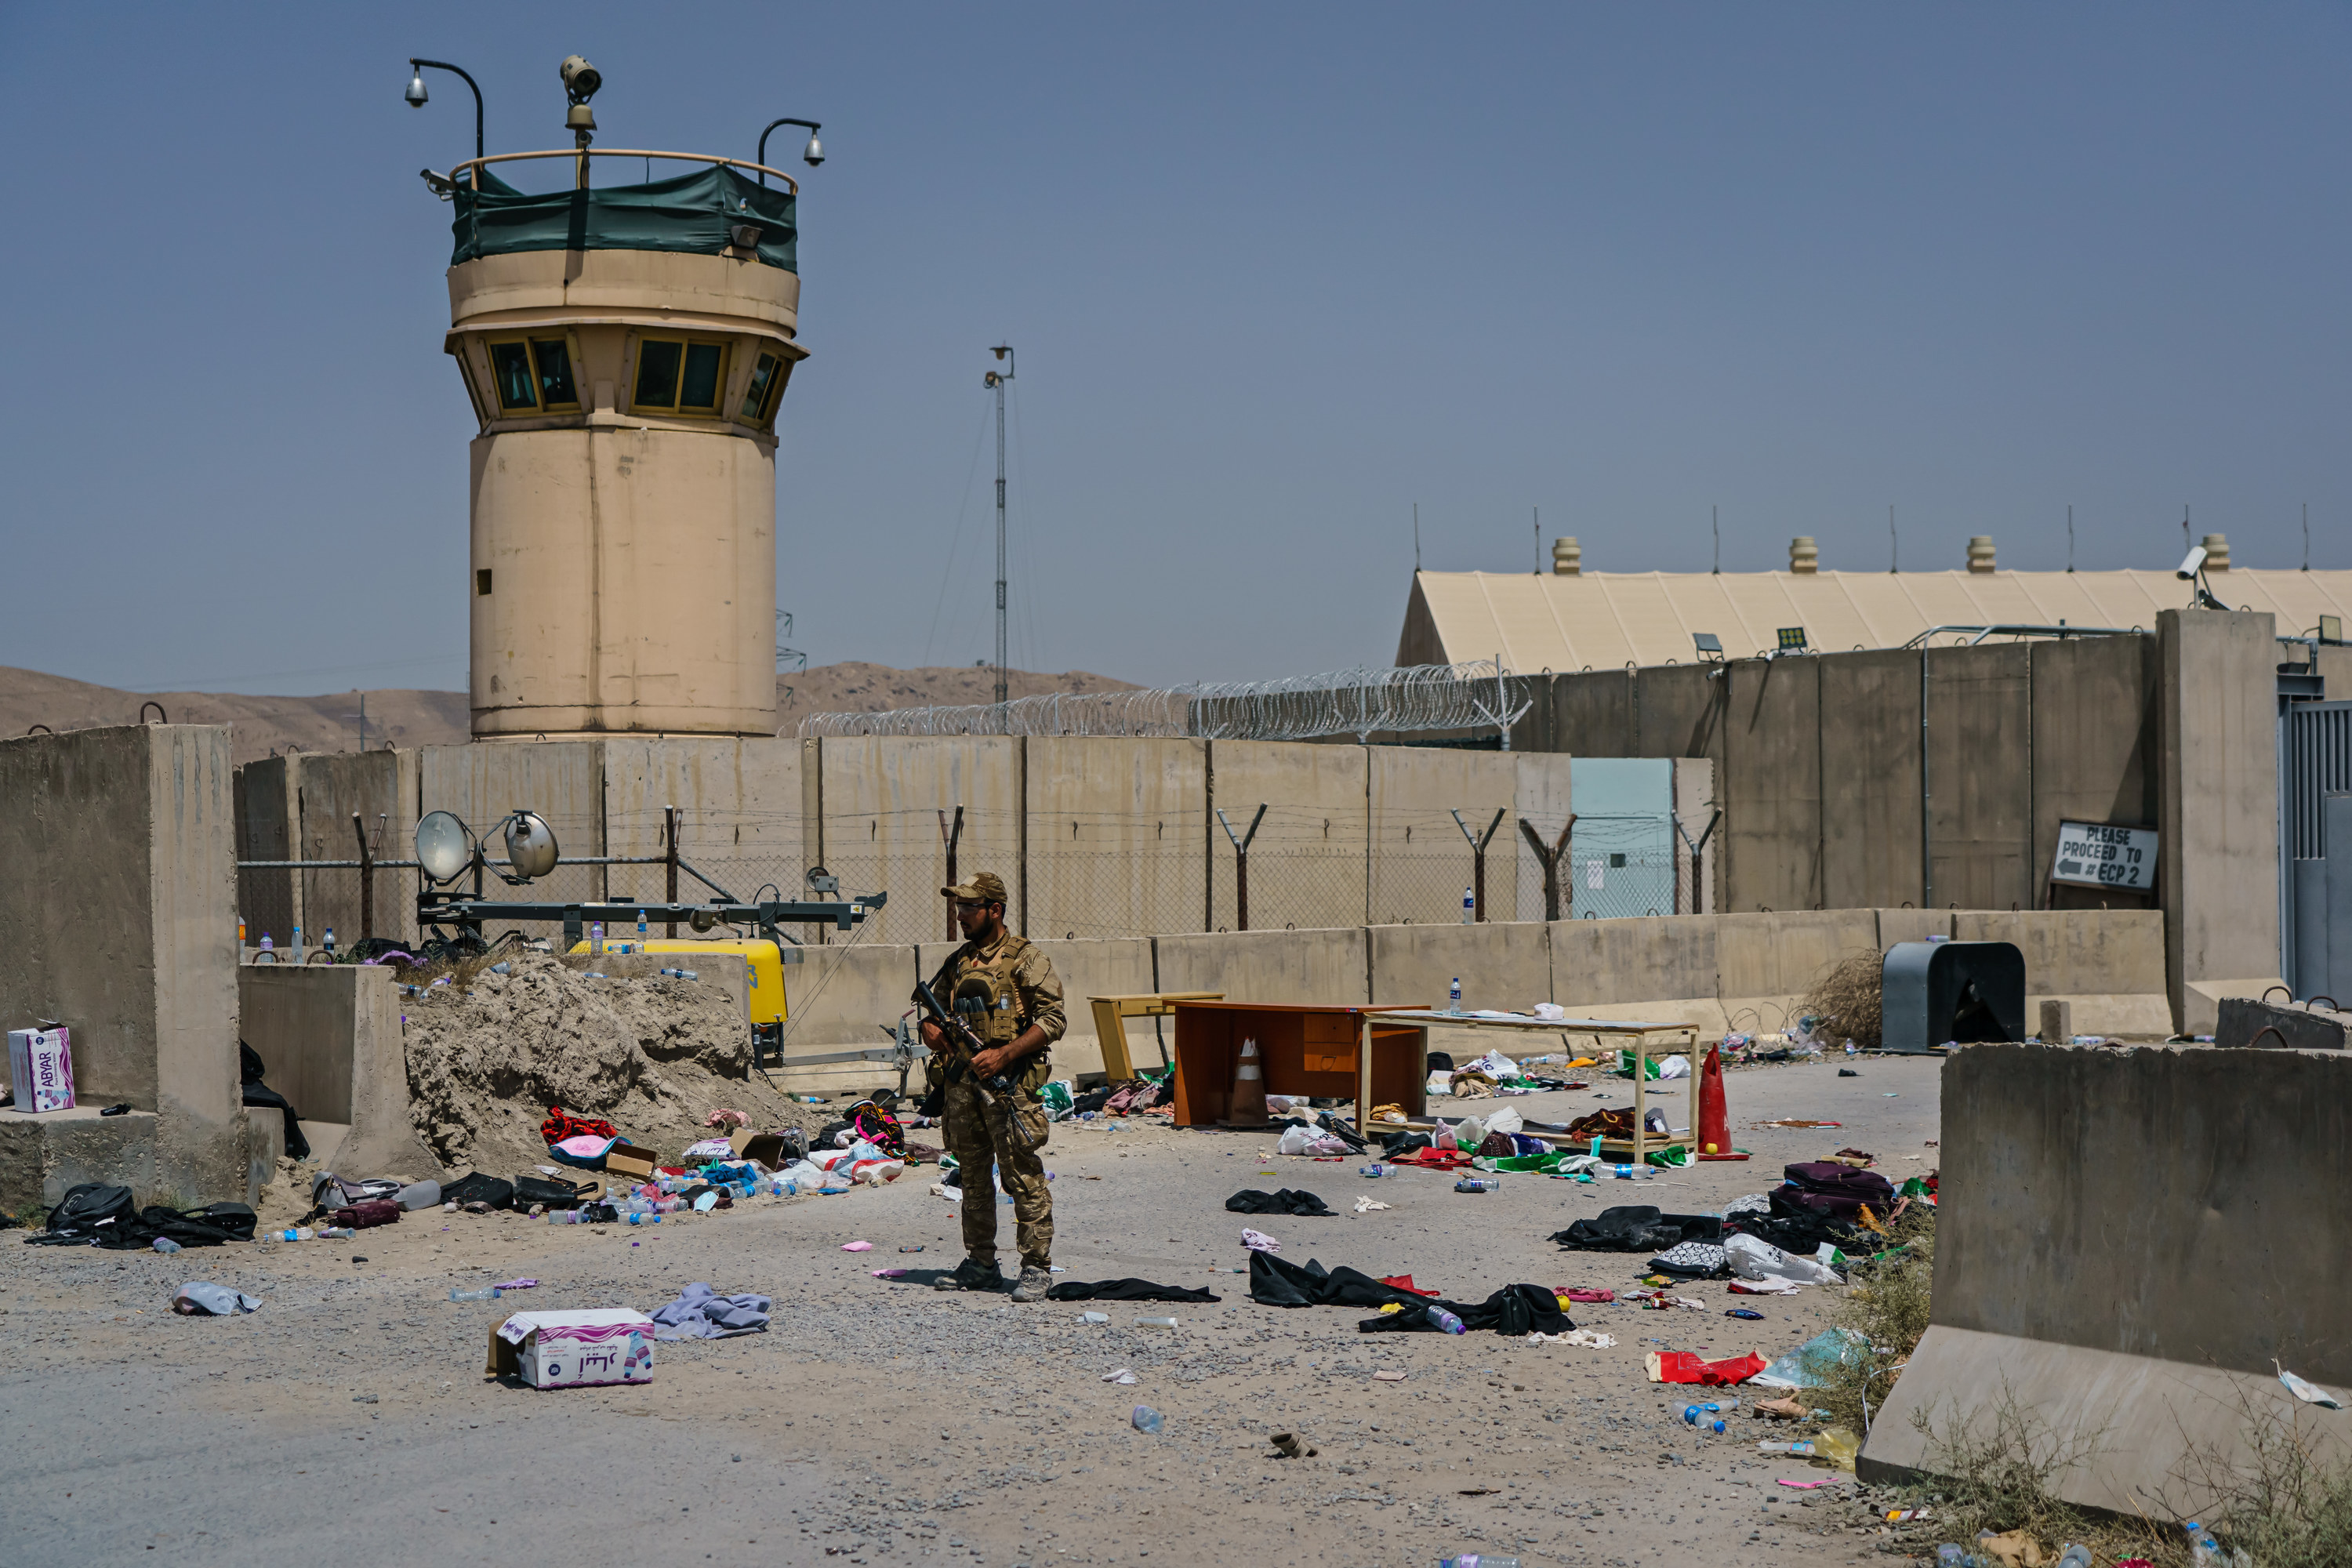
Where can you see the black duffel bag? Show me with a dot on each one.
(477, 1188)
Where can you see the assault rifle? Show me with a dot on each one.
(997, 1092)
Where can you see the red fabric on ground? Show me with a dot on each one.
(560, 1125)
(1435, 1160)
(1405, 1282)
(1686, 1366)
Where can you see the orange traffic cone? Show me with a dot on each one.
(1247, 1108)
(1714, 1115)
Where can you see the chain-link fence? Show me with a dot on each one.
(1091, 875)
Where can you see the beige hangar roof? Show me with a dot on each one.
(1601, 620)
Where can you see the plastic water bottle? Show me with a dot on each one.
(1445, 1320)
(1469, 905)
(297, 944)
(330, 945)
(1477, 1560)
(1155, 1323)
(2204, 1552)
(269, 947)
(596, 938)
(1454, 1004)
(165, 1243)
(1373, 1171)
(680, 975)
(2076, 1555)
(641, 931)
(1804, 1448)
(1478, 1184)
(486, 1293)
(1095, 1318)
(1146, 1419)
(1633, 1173)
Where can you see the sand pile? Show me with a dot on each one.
(487, 1057)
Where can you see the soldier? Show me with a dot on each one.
(1007, 991)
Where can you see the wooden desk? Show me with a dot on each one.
(1634, 1035)
(1110, 1029)
(1333, 1053)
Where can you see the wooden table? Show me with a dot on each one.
(1634, 1035)
(1118, 1066)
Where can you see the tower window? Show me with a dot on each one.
(554, 357)
(759, 398)
(511, 368)
(482, 582)
(534, 375)
(678, 373)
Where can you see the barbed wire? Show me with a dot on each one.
(1363, 701)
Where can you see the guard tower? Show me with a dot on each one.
(626, 347)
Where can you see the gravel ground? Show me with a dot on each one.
(885, 1422)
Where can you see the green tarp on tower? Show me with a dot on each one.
(695, 213)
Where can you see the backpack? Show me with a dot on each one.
(1828, 1188)
(92, 1209)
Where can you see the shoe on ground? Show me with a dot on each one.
(972, 1274)
(1033, 1285)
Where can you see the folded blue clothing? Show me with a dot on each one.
(702, 1313)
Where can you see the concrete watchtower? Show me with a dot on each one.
(626, 348)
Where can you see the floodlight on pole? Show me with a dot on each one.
(416, 95)
(995, 381)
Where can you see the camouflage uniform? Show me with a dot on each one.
(1001, 989)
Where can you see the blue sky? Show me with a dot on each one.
(1275, 275)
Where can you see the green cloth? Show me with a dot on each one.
(693, 213)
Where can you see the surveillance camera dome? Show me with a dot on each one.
(814, 153)
(581, 80)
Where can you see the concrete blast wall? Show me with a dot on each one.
(118, 919)
(2127, 1243)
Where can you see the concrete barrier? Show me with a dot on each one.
(839, 998)
(1307, 863)
(1116, 835)
(879, 800)
(1769, 961)
(2107, 964)
(2126, 1241)
(330, 1040)
(1914, 925)
(1420, 861)
(1290, 966)
(1656, 970)
(118, 919)
(1506, 965)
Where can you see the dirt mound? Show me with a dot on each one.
(652, 1057)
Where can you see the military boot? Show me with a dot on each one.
(972, 1274)
(1034, 1283)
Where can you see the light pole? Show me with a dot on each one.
(813, 154)
(417, 94)
(995, 381)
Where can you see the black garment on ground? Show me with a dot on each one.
(1398, 1144)
(1092, 1099)
(1276, 1283)
(1123, 1290)
(1515, 1312)
(1791, 1226)
(1637, 1227)
(96, 1214)
(250, 1070)
(1285, 1201)
(477, 1188)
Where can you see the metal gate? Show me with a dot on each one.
(2316, 847)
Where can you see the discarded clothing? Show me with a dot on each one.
(255, 1092)
(1788, 1224)
(701, 1313)
(1638, 1228)
(1258, 1241)
(1405, 1282)
(1123, 1290)
(1436, 1159)
(1276, 1282)
(1512, 1311)
(559, 1126)
(1400, 1144)
(1616, 1122)
(1756, 1259)
(1691, 1261)
(1686, 1366)
(1285, 1201)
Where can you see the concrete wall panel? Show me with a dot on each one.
(1696, 877)
(1307, 864)
(330, 1039)
(882, 798)
(563, 781)
(1420, 860)
(1981, 771)
(1912, 925)
(1118, 835)
(740, 813)
(1770, 961)
(2094, 750)
(1506, 965)
(1291, 966)
(381, 787)
(1542, 799)
(1771, 786)
(269, 818)
(1869, 779)
(1663, 970)
(1592, 714)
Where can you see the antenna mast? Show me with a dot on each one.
(995, 381)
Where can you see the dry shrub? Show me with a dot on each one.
(2278, 1500)
(1845, 999)
(1887, 1305)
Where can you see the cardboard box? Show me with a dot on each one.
(40, 1069)
(768, 1148)
(630, 1160)
(573, 1350)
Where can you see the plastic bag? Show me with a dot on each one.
(1673, 1067)
(1751, 1257)
(1058, 1098)
(1308, 1141)
(1506, 1120)
(1812, 1362)
(1496, 1066)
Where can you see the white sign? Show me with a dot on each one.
(2093, 855)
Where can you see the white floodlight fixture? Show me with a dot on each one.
(531, 845)
(2190, 564)
(445, 847)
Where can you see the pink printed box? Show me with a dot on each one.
(573, 1350)
(40, 1069)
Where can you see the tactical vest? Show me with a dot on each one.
(986, 999)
